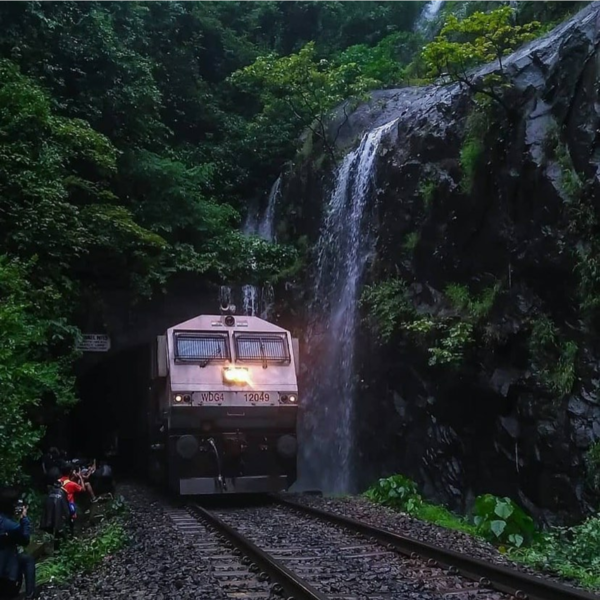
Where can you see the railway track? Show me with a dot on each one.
(510, 581)
(287, 550)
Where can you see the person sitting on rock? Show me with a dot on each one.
(14, 566)
(86, 473)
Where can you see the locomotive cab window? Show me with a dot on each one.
(201, 348)
(265, 348)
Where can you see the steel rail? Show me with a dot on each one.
(290, 583)
(521, 585)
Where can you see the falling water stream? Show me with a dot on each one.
(428, 14)
(343, 250)
(258, 301)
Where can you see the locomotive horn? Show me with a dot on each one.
(227, 309)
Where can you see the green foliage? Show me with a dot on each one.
(439, 515)
(302, 86)
(570, 182)
(387, 303)
(473, 148)
(397, 492)
(427, 190)
(400, 493)
(500, 520)
(554, 358)
(447, 338)
(411, 241)
(581, 222)
(450, 349)
(592, 461)
(383, 63)
(80, 556)
(570, 552)
(477, 39)
(476, 308)
(34, 364)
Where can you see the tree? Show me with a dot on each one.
(35, 356)
(480, 38)
(302, 86)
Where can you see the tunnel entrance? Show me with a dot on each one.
(111, 415)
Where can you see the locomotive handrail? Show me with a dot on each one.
(290, 583)
(504, 579)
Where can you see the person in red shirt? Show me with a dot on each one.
(71, 487)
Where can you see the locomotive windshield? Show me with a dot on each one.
(262, 348)
(198, 347)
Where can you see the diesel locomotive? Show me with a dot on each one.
(223, 406)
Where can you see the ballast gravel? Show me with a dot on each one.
(361, 509)
(158, 564)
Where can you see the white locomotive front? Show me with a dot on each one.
(223, 406)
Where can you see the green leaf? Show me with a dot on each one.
(498, 527)
(503, 509)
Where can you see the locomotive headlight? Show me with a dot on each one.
(236, 375)
(293, 398)
(178, 398)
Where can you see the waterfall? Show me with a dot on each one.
(250, 299)
(343, 249)
(429, 13)
(266, 227)
(225, 295)
(257, 301)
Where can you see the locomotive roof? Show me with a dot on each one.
(242, 323)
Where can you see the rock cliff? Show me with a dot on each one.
(466, 199)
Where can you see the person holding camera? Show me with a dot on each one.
(15, 531)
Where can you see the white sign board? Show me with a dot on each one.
(94, 342)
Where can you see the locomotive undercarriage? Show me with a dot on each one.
(220, 452)
(227, 462)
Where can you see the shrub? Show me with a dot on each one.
(571, 552)
(452, 346)
(592, 461)
(398, 492)
(427, 191)
(476, 307)
(500, 520)
(411, 241)
(387, 303)
(554, 358)
(473, 147)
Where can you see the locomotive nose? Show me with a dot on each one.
(287, 446)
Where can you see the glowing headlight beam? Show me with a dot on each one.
(236, 375)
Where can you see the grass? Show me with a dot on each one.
(79, 555)
(83, 553)
(440, 515)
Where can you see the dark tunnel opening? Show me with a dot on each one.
(109, 422)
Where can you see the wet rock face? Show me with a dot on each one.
(488, 426)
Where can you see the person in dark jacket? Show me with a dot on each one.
(56, 515)
(15, 566)
(51, 465)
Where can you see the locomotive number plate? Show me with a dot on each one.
(259, 396)
(235, 398)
